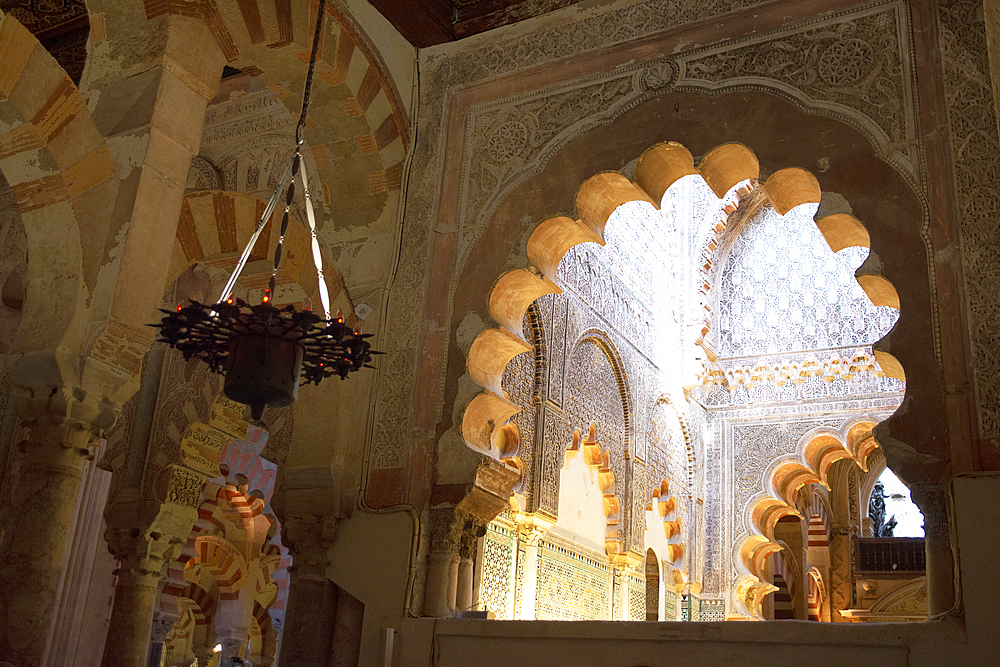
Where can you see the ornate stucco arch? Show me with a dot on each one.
(690, 469)
(610, 350)
(787, 480)
(730, 171)
(724, 169)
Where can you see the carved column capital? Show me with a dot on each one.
(144, 547)
(59, 393)
(466, 531)
(532, 529)
(309, 537)
(932, 499)
(532, 536)
(447, 525)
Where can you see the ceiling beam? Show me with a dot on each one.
(422, 22)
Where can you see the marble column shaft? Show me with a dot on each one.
(463, 601)
(940, 560)
(530, 584)
(436, 602)
(312, 605)
(312, 598)
(131, 616)
(34, 547)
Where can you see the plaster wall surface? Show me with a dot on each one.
(581, 511)
(369, 560)
(594, 643)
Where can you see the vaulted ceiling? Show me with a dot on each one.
(429, 22)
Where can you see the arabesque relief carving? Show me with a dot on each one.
(497, 146)
(976, 151)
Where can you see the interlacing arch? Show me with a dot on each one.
(599, 461)
(223, 561)
(664, 506)
(198, 602)
(728, 170)
(817, 450)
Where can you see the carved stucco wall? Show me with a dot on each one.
(523, 380)
(508, 139)
(742, 445)
(976, 152)
(855, 65)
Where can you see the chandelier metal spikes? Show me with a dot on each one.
(266, 352)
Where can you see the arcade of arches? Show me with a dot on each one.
(663, 298)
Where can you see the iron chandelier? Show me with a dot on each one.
(265, 352)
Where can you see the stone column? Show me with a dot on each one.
(453, 584)
(840, 587)
(312, 598)
(530, 536)
(438, 598)
(463, 601)
(932, 499)
(132, 615)
(144, 547)
(623, 602)
(230, 650)
(468, 544)
(33, 553)
(233, 618)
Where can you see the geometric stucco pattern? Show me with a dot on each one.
(504, 138)
(976, 152)
(757, 445)
(857, 63)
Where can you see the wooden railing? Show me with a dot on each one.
(889, 555)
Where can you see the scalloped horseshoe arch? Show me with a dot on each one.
(664, 506)
(817, 451)
(729, 170)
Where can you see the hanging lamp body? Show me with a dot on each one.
(263, 369)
